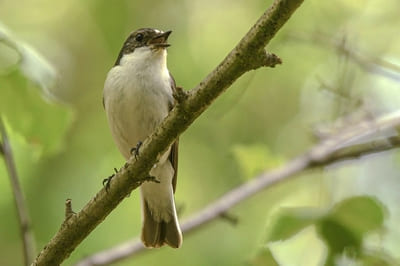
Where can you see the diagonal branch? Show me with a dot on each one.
(330, 151)
(28, 240)
(247, 55)
(367, 62)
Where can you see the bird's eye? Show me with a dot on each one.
(139, 37)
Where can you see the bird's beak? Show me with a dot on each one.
(160, 40)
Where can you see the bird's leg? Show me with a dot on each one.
(107, 181)
(153, 179)
(179, 95)
(135, 150)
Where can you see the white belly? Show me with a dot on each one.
(135, 104)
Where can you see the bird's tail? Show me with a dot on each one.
(157, 233)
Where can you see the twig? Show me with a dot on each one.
(247, 55)
(68, 209)
(370, 64)
(28, 240)
(327, 152)
(232, 219)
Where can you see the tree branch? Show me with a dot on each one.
(368, 63)
(330, 151)
(28, 240)
(244, 57)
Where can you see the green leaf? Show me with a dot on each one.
(254, 159)
(43, 124)
(33, 65)
(359, 214)
(343, 229)
(291, 221)
(37, 69)
(338, 237)
(263, 257)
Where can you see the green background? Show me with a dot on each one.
(63, 147)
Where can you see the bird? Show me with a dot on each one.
(137, 96)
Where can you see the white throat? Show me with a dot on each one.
(145, 59)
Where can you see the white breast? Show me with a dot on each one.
(137, 95)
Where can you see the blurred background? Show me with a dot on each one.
(339, 67)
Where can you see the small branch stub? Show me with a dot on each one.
(262, 58)
(232, 219)
(68, 209)
(272, 60)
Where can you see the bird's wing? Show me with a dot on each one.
(173, 156)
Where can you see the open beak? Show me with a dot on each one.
(160, 40)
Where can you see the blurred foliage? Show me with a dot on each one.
(54, 57)
(40, 122)
(342, 228)
(264, 257)
(254, 159)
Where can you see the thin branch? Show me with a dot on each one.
(372, 64)
(28, 240)
(244, 57)
(323, 154)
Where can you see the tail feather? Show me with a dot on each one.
(157, 233)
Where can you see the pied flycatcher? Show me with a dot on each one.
(137, 96)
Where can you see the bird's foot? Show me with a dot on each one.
(135, 150)
(107, 181)
(153, 179)
(179, 94)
